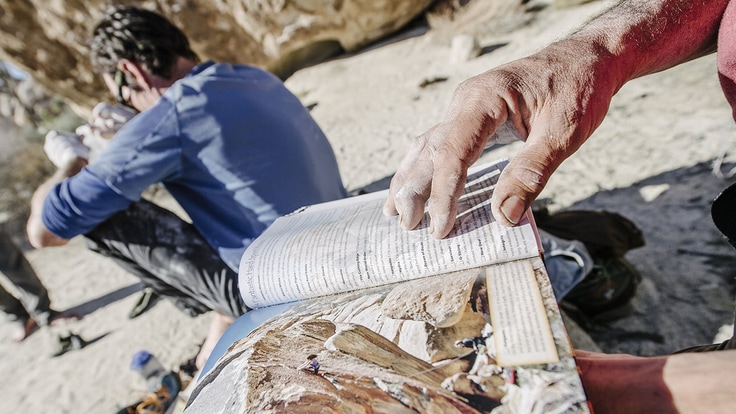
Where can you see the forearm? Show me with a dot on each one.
(642, 37)
(680, 383)
(702, 382)
(38, 235)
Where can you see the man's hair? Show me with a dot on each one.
(141, 36)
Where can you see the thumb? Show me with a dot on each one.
(522, 180)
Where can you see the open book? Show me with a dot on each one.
(349, 244)
(468, 322)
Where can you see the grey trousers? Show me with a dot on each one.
(170, 256)
(33, 298)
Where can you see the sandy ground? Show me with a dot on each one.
(651, 160)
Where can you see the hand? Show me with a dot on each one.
(553, 100)
(64, 147)
(103, 124)
(107, 119)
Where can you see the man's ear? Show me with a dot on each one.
(133, 71)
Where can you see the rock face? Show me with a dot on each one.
(47, 38)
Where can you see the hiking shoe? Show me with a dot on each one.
(156, 402)
(606, 292)
(68, 343)
(147, 299)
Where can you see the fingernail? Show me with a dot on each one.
(386, 210)
(513, 208)
(402, 222)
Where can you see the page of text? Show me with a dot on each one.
(350, 244)
(521, 331)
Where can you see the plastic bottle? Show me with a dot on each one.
(149, 367)
(159, 380)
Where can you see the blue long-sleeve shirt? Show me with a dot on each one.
(231, 144)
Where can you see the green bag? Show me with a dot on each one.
(604, 234)
(606, 292)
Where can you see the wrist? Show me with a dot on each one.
(594, 61)
(72, 167)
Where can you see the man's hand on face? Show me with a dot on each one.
(105, 121)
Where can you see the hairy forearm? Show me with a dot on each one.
(38, 235)
(642, 37)
(702, 382)
(679, 383)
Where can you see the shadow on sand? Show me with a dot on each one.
(93, 305)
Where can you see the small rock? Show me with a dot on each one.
(650, 192)
(464, 47)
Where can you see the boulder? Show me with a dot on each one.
(47, 38)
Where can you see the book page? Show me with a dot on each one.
(349, 244)
(522, 334)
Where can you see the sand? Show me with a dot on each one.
(651, 160)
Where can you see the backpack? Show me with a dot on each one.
(604, 233)
(607, 289)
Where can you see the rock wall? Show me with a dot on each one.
(47, 38)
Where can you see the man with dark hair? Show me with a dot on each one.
(231, 144)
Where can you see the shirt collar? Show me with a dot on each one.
(201, 68)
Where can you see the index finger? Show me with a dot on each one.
(408, 163)
(461, 147)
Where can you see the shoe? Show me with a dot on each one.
(147, 299)
(606, 292)
(68, 343)
(157, 402)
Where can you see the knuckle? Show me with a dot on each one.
(460, 151)
(530, 176)
(408, 196)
